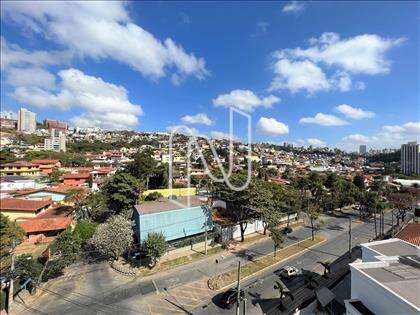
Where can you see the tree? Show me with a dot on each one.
(54, 176)
(85, 229)
(10, 232)
(155, 247)
(237, 202)
(6, 156)
(277, 237)
(28, 266)
(153, 196)
(313, 211)
(123, 191)
(94, 207)
(68, 247)
(114, 237)
(359, 181)
(402, 202)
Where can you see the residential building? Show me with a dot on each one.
(7, 123)
(172, 219)
(56, 141)
(8, 183)
(56, 125)
(26, 120)
(46, 166)
(15, 208)
(386, 280)
(21, 168)
(44, 226)
(362, 149)
(76, 179)
(410, 158)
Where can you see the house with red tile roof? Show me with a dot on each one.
(410, 233)
(76, 179)
(46, 166)
(45, 226)
(23, 208)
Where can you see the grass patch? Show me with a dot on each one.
(229, 277)
(169, 264)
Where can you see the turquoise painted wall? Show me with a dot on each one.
(42, 194)
(174, 224)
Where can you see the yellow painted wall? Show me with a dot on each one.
(179, 192)
(18, 214)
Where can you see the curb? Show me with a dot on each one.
(285, 259)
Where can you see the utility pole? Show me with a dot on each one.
(205, 238)
(392, 223)
(350, 236)
(238, 288)
(244, 307)
(12, 271)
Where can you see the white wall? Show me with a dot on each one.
(376, 297)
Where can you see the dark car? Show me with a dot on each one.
(230, 297)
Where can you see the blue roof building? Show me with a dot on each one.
(172, 219)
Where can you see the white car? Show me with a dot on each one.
(289, 271)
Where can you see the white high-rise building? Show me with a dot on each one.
(362, 149)
(26, 120)
(410, 158)
(56, 142)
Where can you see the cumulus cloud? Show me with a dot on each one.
(316, 142)
(387, 136)
(324, 120)
(200, 118)
(106, 105)
(30, 77)
(102, 30)
(293, 7)
(13, 55)
(271, 126)
(353, 112)
(182, 129)
(245, 100)
(299, 75)
(307, 69)
(219, 135)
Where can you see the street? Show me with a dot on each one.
(184, 289)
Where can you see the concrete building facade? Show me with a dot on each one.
(410, 158)
(26, 120)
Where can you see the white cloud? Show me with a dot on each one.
(219, 135)
(271, 126)
(390, 136)
(293, 7)
(353, 112)
(244, 100)
(30, 77)
(360, 54)
(102, 30)
(13, 55)
(323, 120)
(182, 129)
(106, 105)
(358, 138)
(200, 118)
(299, 75)
(316, 142)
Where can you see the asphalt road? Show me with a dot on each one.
(261, 287)
(101, 290)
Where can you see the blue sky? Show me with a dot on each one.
(320, 73)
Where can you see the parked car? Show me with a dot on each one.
(230, 297)
(288, 272)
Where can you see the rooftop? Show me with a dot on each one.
(411, 234)
(393, 247)
(45, 224)
(400, 278)
(168, 205)
(14, 204)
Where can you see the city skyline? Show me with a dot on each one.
(308, 74)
